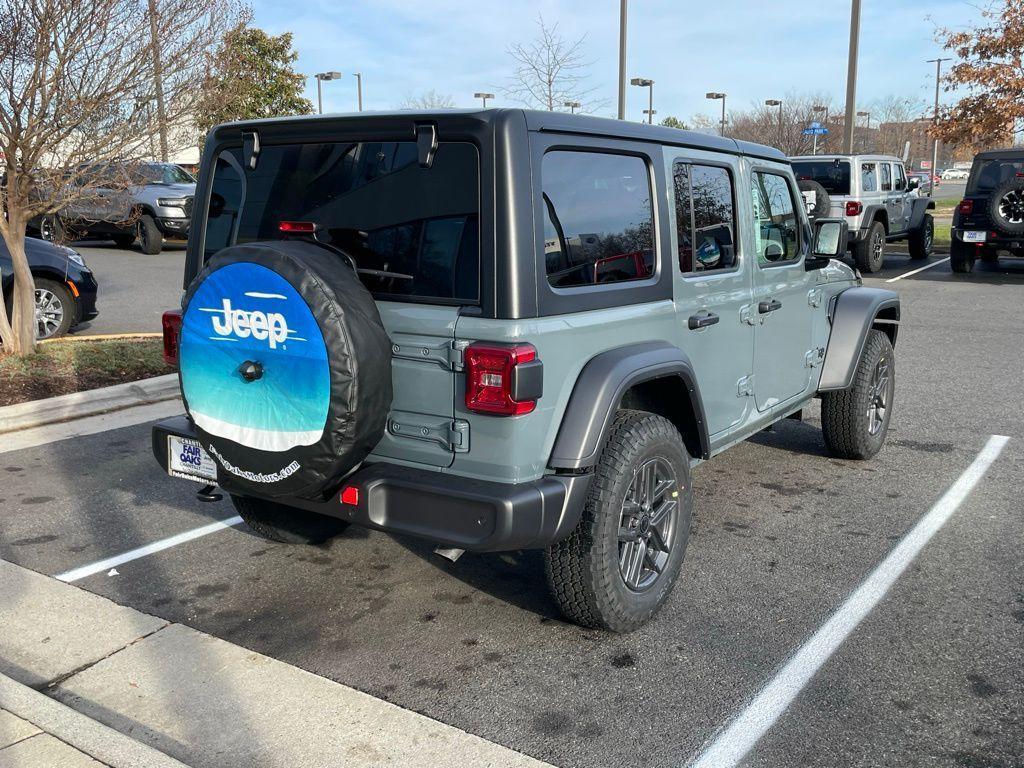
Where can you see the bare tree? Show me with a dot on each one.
(549, 71)
(899, 119)
(784, 128)
(428, 100)
(77, 81)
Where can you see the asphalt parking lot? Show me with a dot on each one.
(934, 676)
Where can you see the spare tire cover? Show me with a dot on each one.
(817, 200)
(285, 367)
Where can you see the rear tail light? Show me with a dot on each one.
(297, 227)
(966, 207)
(350, 495)
(172, 330)
(496, 378)
(854, 207)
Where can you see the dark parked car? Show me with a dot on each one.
(990, 218)
(65, 288)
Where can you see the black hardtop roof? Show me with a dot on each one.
(993, 153)
(536, 120)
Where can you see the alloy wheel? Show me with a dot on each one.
(878, 398)
(49, 313)
(1011, 207)
(647, 524)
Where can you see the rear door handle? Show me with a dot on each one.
(702, 320)
(770, 305)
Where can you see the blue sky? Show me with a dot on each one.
(751, 49)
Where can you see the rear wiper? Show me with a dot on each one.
(384, 273)
(352, 262)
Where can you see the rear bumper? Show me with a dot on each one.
(447, 509)
(993, 239)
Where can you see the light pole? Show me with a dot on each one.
(820, 108)
(938, 78)
(359, 88)
(776, 103)
(622, 59)
(483, 97)
(867, 128)
(573, 106)
(851, 76)
(644, 82)
(320, 77)
(717, 95)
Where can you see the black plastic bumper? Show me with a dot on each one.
(447, 509)
(173, 227)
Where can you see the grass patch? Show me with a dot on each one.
(65, 366)
(942, 232)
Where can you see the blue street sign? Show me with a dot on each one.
(815, 129)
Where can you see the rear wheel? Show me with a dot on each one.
(855, 420)
(289, 525)
(55, 309)
(921, 239)
(150, 238)
(961, 256)
(869, 253)
(618, 566)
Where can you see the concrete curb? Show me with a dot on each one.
(102, 337)
(81, 732)
(36, 413)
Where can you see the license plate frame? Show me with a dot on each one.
(193, 464)
(975, 236)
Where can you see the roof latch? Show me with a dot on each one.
(426, 143)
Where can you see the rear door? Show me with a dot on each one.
(413, 233)
(899, 216)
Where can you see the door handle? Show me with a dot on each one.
(702, 320)
(770, 305)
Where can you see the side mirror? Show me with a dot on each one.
(913, 183)
(830, 237)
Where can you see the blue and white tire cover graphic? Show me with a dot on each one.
(246, 313)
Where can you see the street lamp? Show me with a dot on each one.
(851, 76)
(938, 79)
(573, 106)
(483, 97)
(622, 59)
(867, 128)
(647, 83)
(776, 103)
(359, 86)
(320, 77)
(716, 95)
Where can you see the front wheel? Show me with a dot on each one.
(618, 566)
(151, 240)
(279, 522)
(855, 420)
(869, 253)
(921, 239)
(55, 309)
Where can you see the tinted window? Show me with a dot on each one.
(704, 217)
(833, 175)
(597, 218)
(412, 231)
(776, 234)
(886, 177)
(869, 177)
(989, 174)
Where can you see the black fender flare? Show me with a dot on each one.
(855, 312)
(599, 390)
(921, 206)
(873, 213)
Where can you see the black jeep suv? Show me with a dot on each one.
(990, 218)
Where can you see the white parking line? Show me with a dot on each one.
(919, 269)
(157, 546)
(732, 744)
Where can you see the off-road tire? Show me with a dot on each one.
(922, 239)
(822, 201)
(961, 256)
(844, 414)
(123, 240)
(866, 253)
(288, 525)
(583, 569)
(1013, 190)
(151, 240)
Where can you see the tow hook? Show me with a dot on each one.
(209, 493)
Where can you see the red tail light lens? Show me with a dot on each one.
(490, 369)
(854, 207)
(966, 207)
(297, 227)
(171, 323)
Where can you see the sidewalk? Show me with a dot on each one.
(86, 682)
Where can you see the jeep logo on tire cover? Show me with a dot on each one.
(246, 312)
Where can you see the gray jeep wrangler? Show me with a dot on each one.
(503, 329)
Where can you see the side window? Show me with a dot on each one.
(777, 225)
(598, 221)
(901, 178)
(226, 195)
(704, 217)
(868, 177)
(886, 177)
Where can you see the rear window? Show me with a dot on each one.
(989, 174)
(833, 175)
(411, 231)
